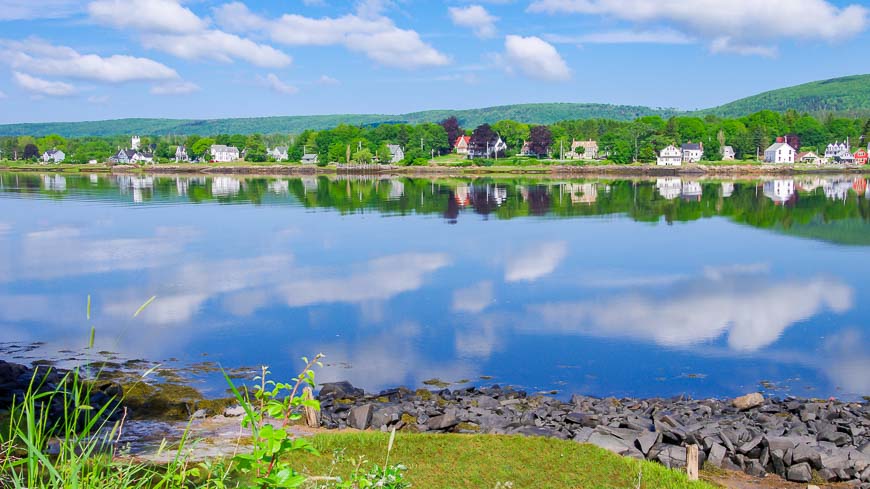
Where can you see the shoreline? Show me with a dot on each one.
(799, 440)
(555, 171)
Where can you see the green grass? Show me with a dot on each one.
(483, 461)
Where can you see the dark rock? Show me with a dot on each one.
(801, 472)
(590, 421)
(360, 417)
(443, 422)
(828, 475)
(808, 454)
(339, 390)
(836, 437)
(755, 469)
(717, 455)
(646, 441)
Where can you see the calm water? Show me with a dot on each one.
(643, 288)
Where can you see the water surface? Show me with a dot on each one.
(603, 287)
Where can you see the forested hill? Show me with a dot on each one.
(847, 96)
(529, 113)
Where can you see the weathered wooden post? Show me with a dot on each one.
(312, 416)
(692, 462)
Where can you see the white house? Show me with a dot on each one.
(728, 153)
(278, 153)
(224, 154)
(779, 191)
(779, 152)
(135, 142)
(181, 154)
(489, 151)
(139, 157)
(53, 156)
(836, 150)
(397, 154)
(310, 159)
(692, 152)
(461, 145)
(670, 156)
(808, 157)
(123, 156)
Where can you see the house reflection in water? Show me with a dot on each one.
(279, 187)
(225, 187)
(669, 188)
(397, 189)
(54, 183)
(780, 191)
(727, 189)
(581, 193)
(692, 191)
(137, 184)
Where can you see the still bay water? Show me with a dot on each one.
(601, 287)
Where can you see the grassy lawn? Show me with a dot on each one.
(483, 461)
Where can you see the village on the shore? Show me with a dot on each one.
(785, 151)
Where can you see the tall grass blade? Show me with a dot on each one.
(143, 306)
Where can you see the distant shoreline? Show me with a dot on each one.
(695, 170)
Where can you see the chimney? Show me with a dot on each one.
(780, 139)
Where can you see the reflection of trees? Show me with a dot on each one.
(504, 198)
(539, 200)
(452, 211)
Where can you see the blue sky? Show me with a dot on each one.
(63, 60)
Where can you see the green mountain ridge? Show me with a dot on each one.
(844, 96)
(848, 96)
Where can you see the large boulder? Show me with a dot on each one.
(748, 401)
(339, 390)
(446, 421)
(360, 417)
(800, 473)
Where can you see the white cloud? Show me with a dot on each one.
(753, 315)
(32, 10)
(476, 18)
(217, 46)
(535, 262)
(2, 96)
(375, 36)
(168, 26)
(327, 80)
(473, 299)
(146, 15)
(175, 88)
(379, 279)
(730, 25)
(656, 36)
(727, 45)
(535, 58)
(40, 57)
(38, 86)
(277, 85)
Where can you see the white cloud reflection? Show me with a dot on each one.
(753, 315)
(535, 262)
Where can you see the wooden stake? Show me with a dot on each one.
(692, 462)
(312, 416)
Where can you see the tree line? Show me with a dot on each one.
(623, 142)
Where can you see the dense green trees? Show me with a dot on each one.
(619, 141)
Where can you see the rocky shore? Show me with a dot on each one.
(797, 439)
(801, 440)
